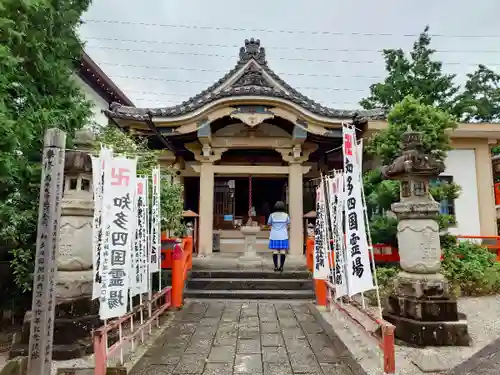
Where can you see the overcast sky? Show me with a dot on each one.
(161, 52)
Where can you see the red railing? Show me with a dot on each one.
(490, 242)
(384, 341)
(497, 193)
(382, 253)
(126, 323)
(182, 262)
(324, 292)
(128, 326)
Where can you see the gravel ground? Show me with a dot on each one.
(483, 316)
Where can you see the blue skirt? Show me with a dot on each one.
(278, 244)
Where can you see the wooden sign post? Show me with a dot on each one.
(49, 213)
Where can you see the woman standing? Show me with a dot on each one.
(278, 239)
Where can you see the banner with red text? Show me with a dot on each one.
(118, 219)
(359, 273)
(155, 239)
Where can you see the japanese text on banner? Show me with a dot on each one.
(359, 273)
(321, 267)
(155, 223)
(337, 211)
(118, 222)
(141, 263)
(98, 185)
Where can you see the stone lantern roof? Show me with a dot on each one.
(413, 161)
(78, 160)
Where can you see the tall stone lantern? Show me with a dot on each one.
(76, 314)
(421, 306)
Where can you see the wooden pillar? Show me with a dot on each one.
(206, 208)
(295, 207)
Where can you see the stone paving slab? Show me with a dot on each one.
(243, 338)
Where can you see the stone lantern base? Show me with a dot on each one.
(424, 312)
(75, 318)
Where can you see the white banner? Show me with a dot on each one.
(118, 225)
(359, 273)
(97, 185)
(140, 246)
(337, 211)
(155, 239)
(321, 268)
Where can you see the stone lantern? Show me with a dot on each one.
(76, 314)
(421, 306)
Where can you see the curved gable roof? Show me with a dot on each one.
(250, 77)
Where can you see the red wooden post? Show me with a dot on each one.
(321, 290)
(177, 276)
(388, 349)
(99, 354)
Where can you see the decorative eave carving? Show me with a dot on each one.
(252, 115)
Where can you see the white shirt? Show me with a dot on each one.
(279, 222)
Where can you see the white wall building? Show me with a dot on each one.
(461, 169)
(99, 89)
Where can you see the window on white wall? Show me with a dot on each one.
(446, 206)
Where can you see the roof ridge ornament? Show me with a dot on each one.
(253, 50)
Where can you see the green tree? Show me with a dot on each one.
(411, 113)
(418, 75)
(39, 51)
(172, 202)
(417, 94)
(435, 125)
(480, 99)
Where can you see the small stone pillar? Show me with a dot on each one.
(250, 257)
(421, 306)
(76, 314)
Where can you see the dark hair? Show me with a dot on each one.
(279, 206)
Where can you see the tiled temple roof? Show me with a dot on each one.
(251, 83)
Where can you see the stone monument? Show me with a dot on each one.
(421, 306)
(76, 314)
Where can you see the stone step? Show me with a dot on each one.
(249, 284)
(251, 294)
(250, 274)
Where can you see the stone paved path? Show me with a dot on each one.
(226, 338)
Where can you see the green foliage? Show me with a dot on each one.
(480, 100)
(172, 203)
(411, 113)
(418, 75)
(385, 279)
(472, 268)
(379, 193)
(39, 51)
(384, 230)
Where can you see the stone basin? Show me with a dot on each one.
(250, 230)
(250, 257)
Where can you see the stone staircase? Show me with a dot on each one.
(250, 284)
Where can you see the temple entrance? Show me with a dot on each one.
(232, 199)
